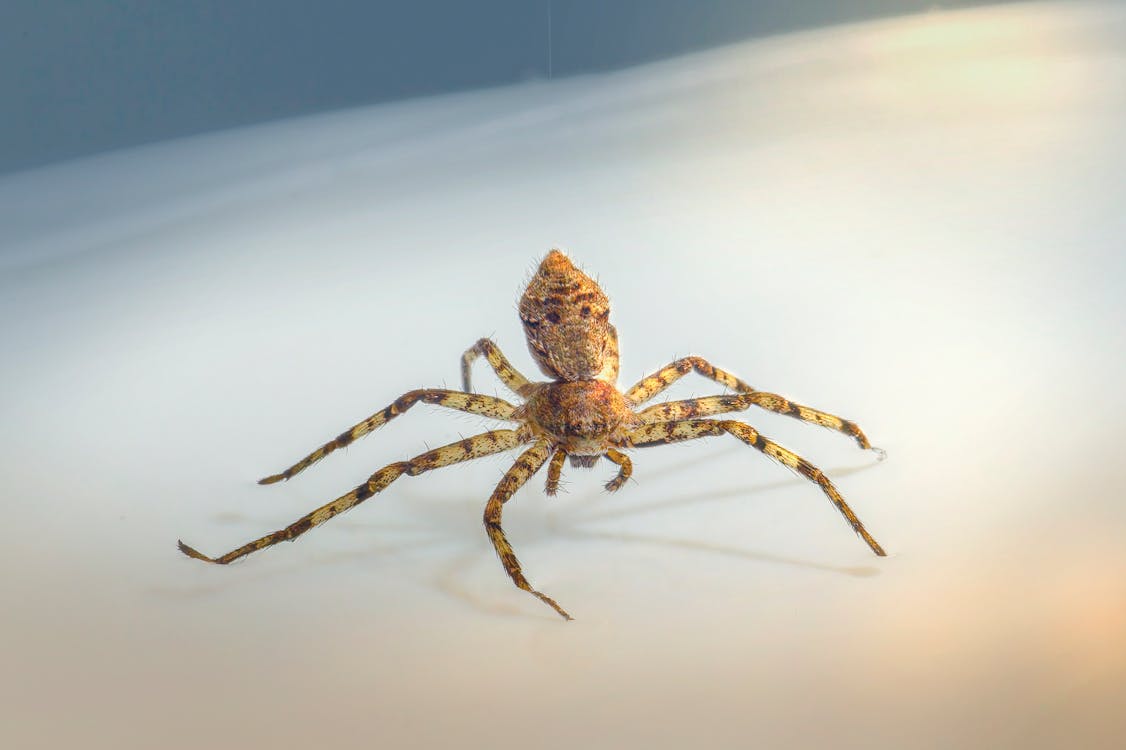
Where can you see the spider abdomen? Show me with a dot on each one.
(566, 319)
(586, 417)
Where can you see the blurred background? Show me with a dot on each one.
(78, 78)
(229, 232)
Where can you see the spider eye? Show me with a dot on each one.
(552, 317)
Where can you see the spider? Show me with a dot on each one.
(579, 414)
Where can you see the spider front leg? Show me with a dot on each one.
(526, 465)
(487, 406)
(711, 405)
(670, 432)
(650, 386)
(479, 445)
(508, 374)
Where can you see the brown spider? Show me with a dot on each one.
(579, 413)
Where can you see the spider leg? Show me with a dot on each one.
(555, 471)
(508, 374)
(526, 465)
(625, 470)
(610, 357)
(474, 447)
(671, 432)
(671, 411)
(487, 406)
(781, 405)
(650, 386)
(710, 405)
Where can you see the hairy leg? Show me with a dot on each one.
(487, 406)
(479, 445)
(670, 432)
(711, 405)
(672, 411)
(555, 471)
(526, 465)
(625, 470)
(610, 358)
(654, 384)
(508, 374)
(651, 385)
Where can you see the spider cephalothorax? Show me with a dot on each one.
(579, 413)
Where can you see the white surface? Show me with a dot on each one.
(915, 223)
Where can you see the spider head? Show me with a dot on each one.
(566, 319)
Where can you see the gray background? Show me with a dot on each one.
(78, 78)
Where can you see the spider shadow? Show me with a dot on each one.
(858, 571)
(710, 496)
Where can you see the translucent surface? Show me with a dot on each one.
(916, 224)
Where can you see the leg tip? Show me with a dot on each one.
(552, 603)
(271, 479)
(193, 553)
(881, 454)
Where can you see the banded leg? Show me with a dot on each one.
(554, 472)
(625, 470)
(672, 411)
(528, 464)
(487, 406)
(670, 432)
(479, 445)
(508, 374)
(651, 385)
(779, 404)
(710, 405)
(654, 384)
